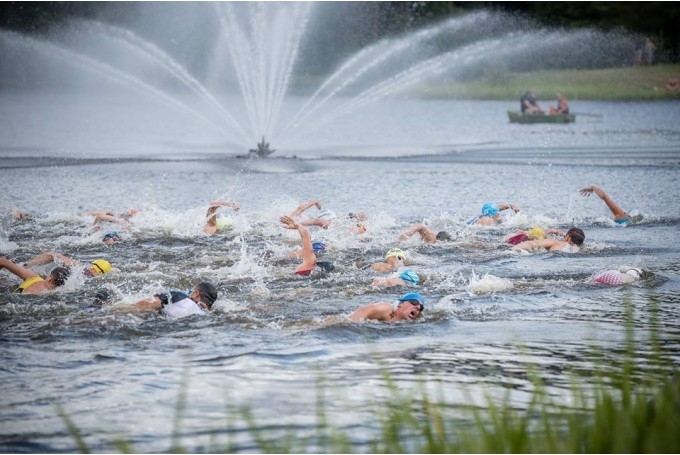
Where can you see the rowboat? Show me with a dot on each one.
(518, 117)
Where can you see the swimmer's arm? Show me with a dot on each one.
(316, 222)
(387, 282)
(46, 258)
(505, 206)
(553, 231)
(18, 270)
(111, 219)
(149, 304)
(530, 245)
(298, 211)
(376, 311)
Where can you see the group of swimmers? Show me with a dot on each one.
(409, 306)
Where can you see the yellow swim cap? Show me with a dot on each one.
(223, 223)
(395, 252)
(536, 233)
(101, 266)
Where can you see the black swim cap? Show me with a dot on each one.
(208, 293)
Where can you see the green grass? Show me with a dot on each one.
(630, 83)
(630, 404)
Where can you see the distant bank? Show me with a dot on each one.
(653, 82)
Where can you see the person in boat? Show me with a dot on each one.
(309, 259)
(407, 277)
(620, 216)
(571, 243)
(426, 234)
(562, 106)
(528, 103)
(394, 260)
(32, 282)
(94, 268)
(618, 277)
(177, 304)
(217, 224)
(409, 308)
(491, 213)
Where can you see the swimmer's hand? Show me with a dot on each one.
(586, 191)
(288, 222)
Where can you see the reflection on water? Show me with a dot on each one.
(490, 315)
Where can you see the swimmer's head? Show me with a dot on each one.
(536, 233)
(325, 266)
(207, 293)
(98, 267)
(327, 215)
(443, 236)
(410, 276)
(319, 247)
(59, 275)
(223, 223)
(111, 237)
(395, 252)
(359, 228)
(490, 209)
(634, 273)
(576, 235)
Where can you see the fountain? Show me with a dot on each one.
(257, 50)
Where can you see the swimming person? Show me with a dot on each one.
(410, 307)
(620, 215)
(215, 224)
(407, 277)
(104, 216)
(426, 234)
(394, 260)
(94, 268)
(615, 277)
(111, 238)
(309, 262)
(491, 213)
(573, 239)
(178, 304)
(34, 283)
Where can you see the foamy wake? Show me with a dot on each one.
(488, 284)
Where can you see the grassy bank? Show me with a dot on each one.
(632, 83)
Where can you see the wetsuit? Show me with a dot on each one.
(178, 305)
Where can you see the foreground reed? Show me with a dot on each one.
(629, 405)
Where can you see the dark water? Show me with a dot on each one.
(490, 316)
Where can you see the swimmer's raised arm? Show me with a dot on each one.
(46, 258)
(303, 207)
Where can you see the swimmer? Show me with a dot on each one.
(95, 268)
(620, 215)
(426, 234)
(491, 213)
(34, 283)
(573, 239)
(21, 216)
(215, 224)
(617, 277)
(410, 307)
(178, 304)
(394, 260)
(309, 262)
(406, 278)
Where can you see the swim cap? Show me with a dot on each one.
(327, 214)
(395, 252)
(223, 222)
(208, 293)
(410, 276)
(101, 266)
(318, 246)
(490, 209)
(325, 266)
(111, 235)
(636, 274)
(412, 296)
(536, 233)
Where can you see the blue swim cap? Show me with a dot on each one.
(413, 296)
(410, 276)
(318, 246)
(490, 209)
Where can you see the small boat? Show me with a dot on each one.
(518, 117)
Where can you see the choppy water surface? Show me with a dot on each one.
(490, 313)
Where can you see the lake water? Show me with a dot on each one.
(491, 315)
